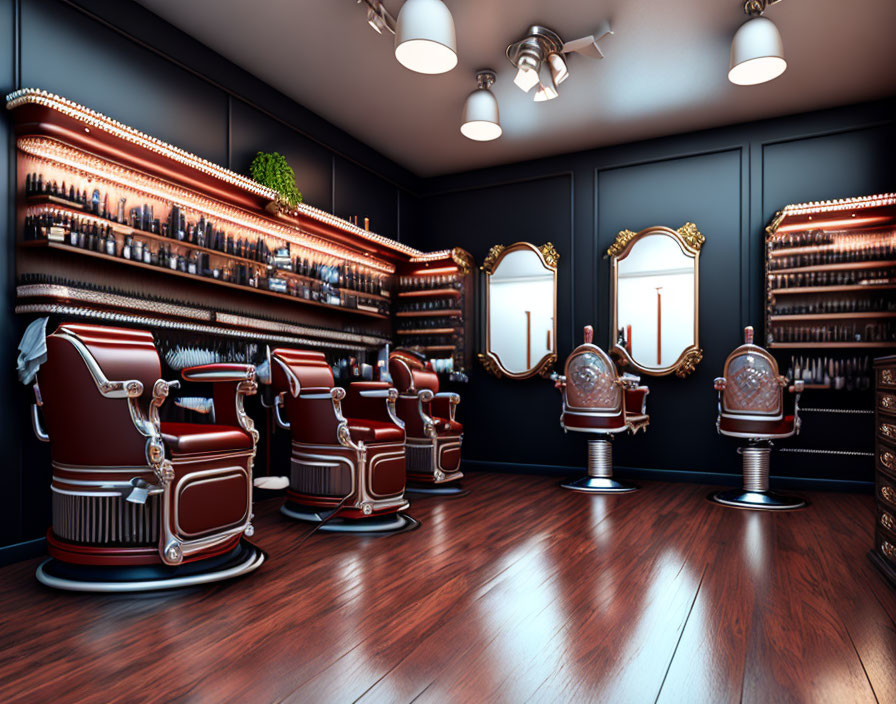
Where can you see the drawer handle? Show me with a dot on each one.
(888, 549)
(887, 492)
(887, 401)
(888, 430)
(886, 520)
(888, 459)
(887, 376)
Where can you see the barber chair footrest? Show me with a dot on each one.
(453, 489)
(761, 500)
(244, 558)
(387, 524)
(600, 485)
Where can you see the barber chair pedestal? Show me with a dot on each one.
(387, 524)
(755, 493)
(599, 479)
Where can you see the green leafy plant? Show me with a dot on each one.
(272, 170)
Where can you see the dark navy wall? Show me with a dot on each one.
(118, 58)
(730, 182)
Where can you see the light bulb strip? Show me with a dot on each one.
(93, 167)
(107, 124)
(822, 206)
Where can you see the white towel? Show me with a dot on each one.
(32, 350)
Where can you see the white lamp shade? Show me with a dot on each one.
(559, 70)
(424, 37)
(481, 122)
(547, 89)
(757, 53)
(526, 77)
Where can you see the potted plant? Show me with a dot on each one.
(272, 170)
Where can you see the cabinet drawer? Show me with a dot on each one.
(886, 492)
(886, 548)
(886, 376)
(886, 459)
(886, 521)
(886, 402)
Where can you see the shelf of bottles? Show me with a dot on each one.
(831, 289)
(108, 211)
(431, 312)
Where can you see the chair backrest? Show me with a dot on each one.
(307, 378)
(752, 385)
(591, 382)
(409, 372)
(86, 428)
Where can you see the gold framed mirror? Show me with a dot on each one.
(655, 286)
(520, 310)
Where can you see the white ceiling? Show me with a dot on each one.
(665, 69)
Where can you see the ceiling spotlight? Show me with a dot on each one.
(547, 89)
(757, 51)
(376, 18)
(559, 70)
(481, 122)
(539, 58)
(424, 37)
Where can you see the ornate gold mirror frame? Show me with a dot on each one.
(690, 241)
(549, 258)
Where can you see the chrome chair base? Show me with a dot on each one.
(600, 485)
(761, 500)
(375, 525)
(452, 489)
(243, 559)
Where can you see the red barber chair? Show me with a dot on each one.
(596, 400)
(434, 436)
(347, 471)
(752, 407)
(140, 504)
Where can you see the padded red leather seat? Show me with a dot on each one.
(347, 448)
(434, 436)
(597, 400)
(170, 500)
(752, 407)
(193, 438)
(374, 431)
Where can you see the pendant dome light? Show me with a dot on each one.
(424, 37)
(480, 121)
(757, 51)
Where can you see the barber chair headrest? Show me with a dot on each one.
(298, 370)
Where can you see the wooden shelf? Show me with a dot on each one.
(431, 293)
(832, 289)
(428, 331)
(428, 313)
(126, 230)
(847, 266)
(439, 348)
(832, 316)
(44, 244)
(830, 345)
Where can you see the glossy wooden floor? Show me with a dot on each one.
(518, 592)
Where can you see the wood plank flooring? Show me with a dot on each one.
(518, 592)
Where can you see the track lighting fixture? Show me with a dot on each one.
(424, 34)
(540, 58)
(480, 121)
(424, 37)
(757, 51)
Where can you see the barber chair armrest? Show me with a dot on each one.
(236, 379)
(636, 400)
(629, 382)
(219, 372)
(365, 400)
(559, 380)
(796, 389)
(424, 399)
(445, 401)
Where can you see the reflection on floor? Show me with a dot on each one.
(518, 592)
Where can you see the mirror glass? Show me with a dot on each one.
(521, 310)
(655, 278)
